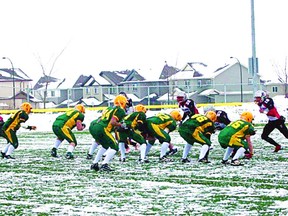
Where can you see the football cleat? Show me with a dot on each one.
(165, 159)
(277, 148)
(2, 154)
(236, 162)
(69, 155)
(9, 157)
(143, 161)
(122, 159)
(105, 167)
(95, 167)
(204, 160)
(172, 152)
(89, 157)
(225, 162)
(186, 160)
(54, 152)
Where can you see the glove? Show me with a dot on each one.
(248, 156)
(31, 127)
(282, 118)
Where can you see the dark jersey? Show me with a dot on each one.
(222, 117)
(267, 106)
(188, 107)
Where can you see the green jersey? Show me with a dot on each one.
(200, 122)
(15, 120)
(163, 120)
(69, 119)
(234, 131)
(105, 120)
(135, 120)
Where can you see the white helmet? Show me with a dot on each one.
(260, 93)
(181, 96)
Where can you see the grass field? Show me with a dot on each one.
(36, 184)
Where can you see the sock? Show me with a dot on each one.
(203, 151)
(143, 151)
(109, 155)
(186, 150)
(10, 150)
(239, 153)
(93, 147)
(57, 143)
(227, 154)
(70, 148)
(99, 154)
(122, 149)
(164, 148)
(5, 148)
(148, 147)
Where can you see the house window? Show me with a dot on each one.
(134, 87)
(274, 89)
(87, 90)
(199, 83)
(95, 90)
(208, 82)
(52, 93)
(187, 83)
(250, 81)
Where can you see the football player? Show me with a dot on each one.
(188, 106)
(159, 127)
(275, 120)
(101, 130)
(237, 136)
(11, 126)
(62, 128)
(135, 123)
(198, 129)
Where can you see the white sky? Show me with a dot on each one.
(139, 34)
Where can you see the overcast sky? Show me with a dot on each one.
(139, 34)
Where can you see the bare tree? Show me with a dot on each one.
(47, 73)
(282, 75)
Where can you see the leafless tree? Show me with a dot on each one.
(47, 73)
(282, 75)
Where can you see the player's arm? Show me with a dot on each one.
(29, 127)
(250, 146)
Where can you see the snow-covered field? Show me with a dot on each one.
(36, 184)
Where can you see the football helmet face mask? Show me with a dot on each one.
(259, 96)
(140, 108)
(26, 107)
(181, 97)
(247, 116)
(176, 115)
(80, 108)
(211, 115)
(121, 101)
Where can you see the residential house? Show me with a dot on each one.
(12, 82)
(276, 88)
(229, 83)
(146, 82)
(54, 89)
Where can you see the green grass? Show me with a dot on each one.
(36, 184)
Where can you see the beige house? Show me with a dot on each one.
(13, 85)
